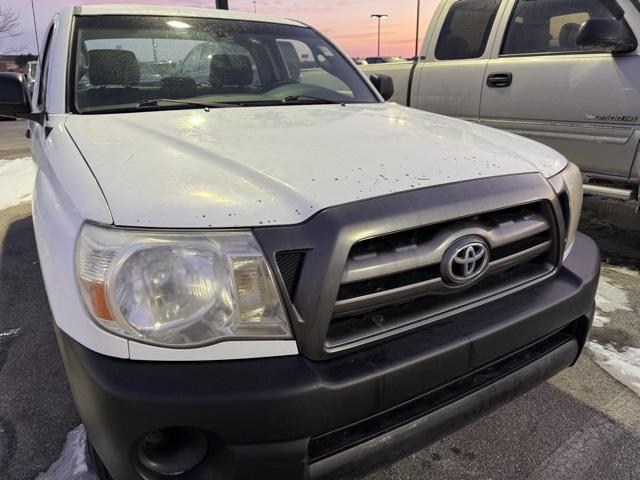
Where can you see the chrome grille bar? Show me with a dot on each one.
(409, 257)
(435, 286)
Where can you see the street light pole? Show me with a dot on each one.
(417, 30)
(379, 16)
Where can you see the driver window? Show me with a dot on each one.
(551, 26)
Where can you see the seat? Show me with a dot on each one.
(113, 77)
(568, 35)
(178, 87)
(230, 72)
(113, 67)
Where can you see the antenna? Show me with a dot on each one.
(35, 26)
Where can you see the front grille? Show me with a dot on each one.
(364, 271)
(393, 280)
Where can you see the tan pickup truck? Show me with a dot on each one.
(563, 72)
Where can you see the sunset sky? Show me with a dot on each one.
(346, 22)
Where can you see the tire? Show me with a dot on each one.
(94, 462)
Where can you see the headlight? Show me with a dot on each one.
(569, 183)
(178, 289)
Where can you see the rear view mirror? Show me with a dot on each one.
(606, 34)
(384, 85)
(14, 97)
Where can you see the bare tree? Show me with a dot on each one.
(9, 24)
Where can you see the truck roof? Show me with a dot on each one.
(175, 11)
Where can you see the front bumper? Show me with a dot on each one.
(291, 417)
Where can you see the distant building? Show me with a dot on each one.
(15, 63)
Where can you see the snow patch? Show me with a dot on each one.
(623, 364)
(624, 271)
(72, 464)
(600, 321)
(610, 297)
(16, 181)
(9, 333)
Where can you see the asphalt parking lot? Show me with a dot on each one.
(583, 424)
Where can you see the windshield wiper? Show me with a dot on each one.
(155, 102)
(306, 99)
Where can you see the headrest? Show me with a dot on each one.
(231, 70)
(178, 87)
(568, 35)
(113, 67)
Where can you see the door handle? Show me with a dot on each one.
(500, 80)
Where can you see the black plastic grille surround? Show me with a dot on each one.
(328, 237)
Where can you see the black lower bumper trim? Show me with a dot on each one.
(428, 428)
(334, 442)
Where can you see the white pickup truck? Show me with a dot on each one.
(562, 72)
(267, 271)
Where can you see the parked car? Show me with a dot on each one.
(288, 278)
(360, 61)
(375, 60)
(563, 72)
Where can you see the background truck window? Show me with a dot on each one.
(466, 29)
(551, 26)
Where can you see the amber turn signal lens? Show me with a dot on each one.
(98, 299)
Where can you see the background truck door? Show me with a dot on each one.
(539, 83)
(457, 49)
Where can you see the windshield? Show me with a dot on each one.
(127, 63)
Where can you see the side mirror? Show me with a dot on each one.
(606, 34)
(14, 97)
(384, 85)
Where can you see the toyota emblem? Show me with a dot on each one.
(465, 261)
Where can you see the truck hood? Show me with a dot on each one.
(243, 167)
